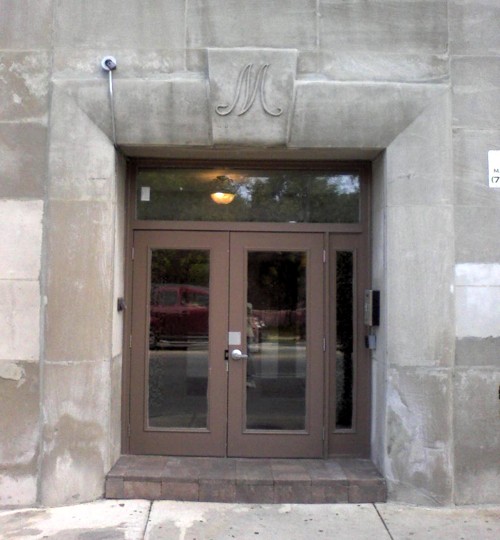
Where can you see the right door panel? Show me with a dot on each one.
(349, 360)
(276, 306)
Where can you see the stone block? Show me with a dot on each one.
(197, 60)
(476, 84)
(477, 275)
(367, 492)
(119, 254)
(365, 484)
(76, 431)
(25, 84)
(419, 160)
(217, 491)
(20, 406)
(473, 351)
(419, 436)
(478, 289)
(180, 469)
(379, 202)
(179, 491)
(477, 436)
(292, 492)
(285, 472)
(115, 398)
(173, 112)
(253, 472)
(470, 158)
(79, 281)
(477, 312)
(480, 72)
(333, 493)
(149, 112)
(251, 95)
(378, 263)
(356, 115)
(114, 488)
(254, 493)
(473, 27)
(21, 233)
(82, 158)
(419, 301)
(19, 320)
(25, 24)
(22, 159)
(141, 490)
(17, 487)
(372, 65)
(374, 25)
(379, 405)
(477, 230)
(132, 62)
(141, 24)
(231, 23)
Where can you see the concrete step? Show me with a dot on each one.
(245, 480)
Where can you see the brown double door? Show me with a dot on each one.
(228, 344)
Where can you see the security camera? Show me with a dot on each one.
(108, 63)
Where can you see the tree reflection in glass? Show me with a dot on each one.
(276, 341)
(282, 196)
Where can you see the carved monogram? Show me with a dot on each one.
(249, 87)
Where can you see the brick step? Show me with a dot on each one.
(342, 480)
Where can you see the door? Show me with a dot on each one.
(227, 344)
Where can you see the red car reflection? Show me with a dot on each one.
(178, 315)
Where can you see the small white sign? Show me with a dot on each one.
(145, 194)
(494, 168)
(234, 338)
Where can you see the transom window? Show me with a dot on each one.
(248, 195)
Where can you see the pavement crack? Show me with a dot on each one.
(147, 520)
(383, 521)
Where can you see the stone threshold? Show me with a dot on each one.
(313, 481)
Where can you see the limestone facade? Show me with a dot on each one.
(411, 86)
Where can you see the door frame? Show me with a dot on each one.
(225, 433)
(354, 442)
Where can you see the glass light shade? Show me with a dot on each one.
(220, 197)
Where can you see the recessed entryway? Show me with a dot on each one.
(246, 335)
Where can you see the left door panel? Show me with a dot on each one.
(178, 399)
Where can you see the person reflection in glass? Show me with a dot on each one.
(250, 340)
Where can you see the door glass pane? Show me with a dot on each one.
(344, 363)
(276, 341)
(178, 339)
(284, 196)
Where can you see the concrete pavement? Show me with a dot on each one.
(167, 520)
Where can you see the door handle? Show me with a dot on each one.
(236, 354)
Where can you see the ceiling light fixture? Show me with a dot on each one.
(220, 197)
(224, 190)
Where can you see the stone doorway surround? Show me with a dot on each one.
(405, 129)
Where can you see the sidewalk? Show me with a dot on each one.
(167, 520)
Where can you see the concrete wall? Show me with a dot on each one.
(412, 85)
(475, 76)
(24, 105)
